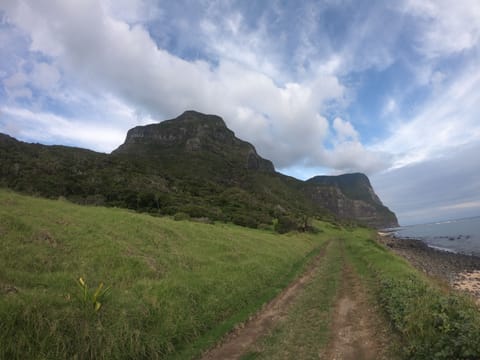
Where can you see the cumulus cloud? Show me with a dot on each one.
(285, 91)
(104, 54)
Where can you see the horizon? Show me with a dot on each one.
(318, 87)
(442, 221)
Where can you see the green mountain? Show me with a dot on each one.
(194, 166)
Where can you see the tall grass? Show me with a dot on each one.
(176, 286)
(434, 323)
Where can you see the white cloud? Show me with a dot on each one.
(105, 55)
(344, 130)
(352, 156)
(44, 76)
(132, 11)
(225, 37)
(449, 119)
(45, 127)
(106, 49)
(447, 27)
(16, 86)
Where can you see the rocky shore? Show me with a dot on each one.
(458, 270)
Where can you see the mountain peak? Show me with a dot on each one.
(355, 185)
(358, 201)
(192, 116)
(194, 133)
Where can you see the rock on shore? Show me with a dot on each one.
(460, 271)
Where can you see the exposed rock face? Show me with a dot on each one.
(194, 132)
(192, 164)
(351, 196)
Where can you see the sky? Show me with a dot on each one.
(387, 88)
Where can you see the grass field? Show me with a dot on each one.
(176, 286)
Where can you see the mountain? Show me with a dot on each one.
(351, 196)
(192, 165)
(190, 134)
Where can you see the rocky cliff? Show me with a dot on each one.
(192, 165)
(193, 133)
(351, 196)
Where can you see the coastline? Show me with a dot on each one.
(460, 271)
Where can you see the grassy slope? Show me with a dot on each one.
(176, 286)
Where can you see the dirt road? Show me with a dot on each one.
(355, 329)
(241, 339)
(358, 332)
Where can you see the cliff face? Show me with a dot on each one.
(193, 133)
(191, 164)
(351, 196)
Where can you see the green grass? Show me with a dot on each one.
(305, 332)
(427, 320)
(176, 286)
(433, 322)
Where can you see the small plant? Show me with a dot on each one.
(95, 298)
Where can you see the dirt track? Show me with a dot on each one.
(237, 343)
(357, 331)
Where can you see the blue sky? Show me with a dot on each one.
(391, 89)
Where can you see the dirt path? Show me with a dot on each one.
(236, 343)
(357, 331)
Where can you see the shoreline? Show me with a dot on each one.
(460, 271)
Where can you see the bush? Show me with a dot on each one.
(179, 216)
(285, 224)
(244, 220)
(434, 325)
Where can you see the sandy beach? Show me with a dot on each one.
(460, 271)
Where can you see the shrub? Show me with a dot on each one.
(244, 220)
(179, 216)
(434, 325)
(285, 224)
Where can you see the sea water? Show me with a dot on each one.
(460, 236)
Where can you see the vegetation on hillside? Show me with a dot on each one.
(192, 164)
(173, 183)
(175, 286)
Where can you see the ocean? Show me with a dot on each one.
(460, 236)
